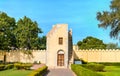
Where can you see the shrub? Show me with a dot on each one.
(39, 71)
(111, 64)
(81, 71)
(17, 65)
(25, 66)
(94, 67)
(2, 67)
(1, 61)
(9, 66)
(34, 74)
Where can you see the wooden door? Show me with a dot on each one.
(60, 60)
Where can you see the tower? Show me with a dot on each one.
(57, 46)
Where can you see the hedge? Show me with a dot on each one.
(25, 66)
(81, 71)
(18, 66)
(39, 71)
(110, 63)
(9, 66)
(94, 67)
(5, 67)
(2, 67)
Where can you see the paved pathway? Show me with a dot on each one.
(36, 66)
(59, 72)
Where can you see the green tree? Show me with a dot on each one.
(91, 43)
(111, 19)
(27, 33)
(112, 46)
(7, 37)
(41, 42)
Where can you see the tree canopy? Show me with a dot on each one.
(21, 34)
(27, 33)
(112, 46)
(91, 43)
(7, 26)
(41, 42)
(111, 18)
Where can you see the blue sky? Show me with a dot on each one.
(80, 15)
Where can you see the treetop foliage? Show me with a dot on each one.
(111, 19)
(21, 34)
(7, 25)
(112, 46)
(91, 43)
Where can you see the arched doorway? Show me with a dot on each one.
(60, 58)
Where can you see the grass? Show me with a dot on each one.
(13, 72)
(111, 71)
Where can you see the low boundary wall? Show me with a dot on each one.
(26, 57)
(98, 55)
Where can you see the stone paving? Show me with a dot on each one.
(59, 72)
(36, 66)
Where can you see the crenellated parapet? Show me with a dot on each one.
(98, 55)
(98, 50)
(25, 56)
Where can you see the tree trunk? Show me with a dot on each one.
(4, 58)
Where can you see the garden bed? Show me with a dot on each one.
(22, 69)
(13, 72)
(94, 69)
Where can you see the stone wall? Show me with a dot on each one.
(98, 55)
(90, 55)
(22, 56)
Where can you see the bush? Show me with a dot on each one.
(2, 67)
(9, 66)
(17, 65)
(1, 61)
(5, 67)
(25, 66)
(94, 67)
(34, 74)
(39, 72)
(110, 63)
(81, 71)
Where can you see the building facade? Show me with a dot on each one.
(59, 46)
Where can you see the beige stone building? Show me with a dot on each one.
(59, 46)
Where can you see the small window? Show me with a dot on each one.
(60, 40)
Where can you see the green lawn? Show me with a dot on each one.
(13, 72)
(111, 71)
